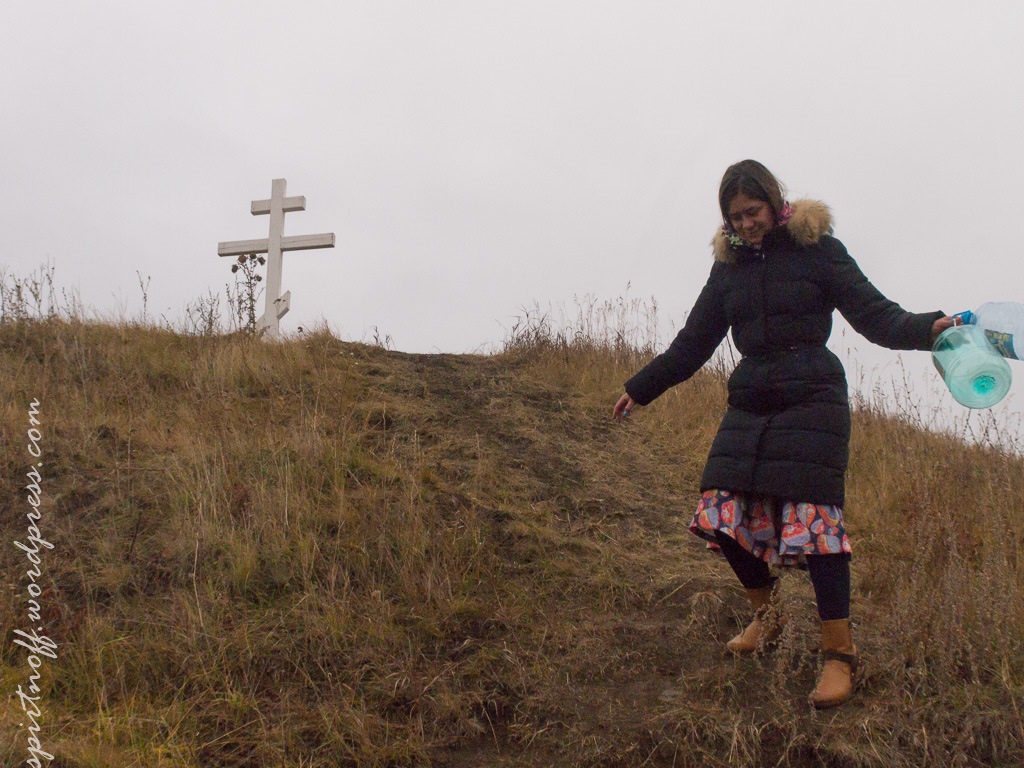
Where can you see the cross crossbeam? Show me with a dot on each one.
(293, 243)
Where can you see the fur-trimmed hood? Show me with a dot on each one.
(811, 220)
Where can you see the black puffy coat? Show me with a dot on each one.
(786, 431)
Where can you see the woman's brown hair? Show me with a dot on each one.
(754, 180)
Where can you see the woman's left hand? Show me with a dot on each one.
(940, 325)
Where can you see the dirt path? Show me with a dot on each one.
(633, 654)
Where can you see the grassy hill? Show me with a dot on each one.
(315, 553)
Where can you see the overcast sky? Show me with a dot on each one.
(475, 158)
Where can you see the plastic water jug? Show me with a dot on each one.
(975, 373)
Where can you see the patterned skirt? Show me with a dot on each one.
(776, 531)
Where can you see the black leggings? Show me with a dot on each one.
(830, 575)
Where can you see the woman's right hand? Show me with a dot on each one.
(623, 407)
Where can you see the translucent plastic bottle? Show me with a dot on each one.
(975, 373)
(1003, 323)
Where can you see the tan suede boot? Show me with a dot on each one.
(837, 679)
(767, 624)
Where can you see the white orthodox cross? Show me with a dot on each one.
(276, 305)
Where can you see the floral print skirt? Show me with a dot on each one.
(777, 531)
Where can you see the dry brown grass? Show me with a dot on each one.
(315, 553)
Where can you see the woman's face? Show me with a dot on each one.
(752, 219)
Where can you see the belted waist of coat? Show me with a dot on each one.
(782, 351)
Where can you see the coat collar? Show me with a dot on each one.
(811, 220)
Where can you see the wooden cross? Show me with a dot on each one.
(276, 305)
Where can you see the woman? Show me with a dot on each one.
(773, 486)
